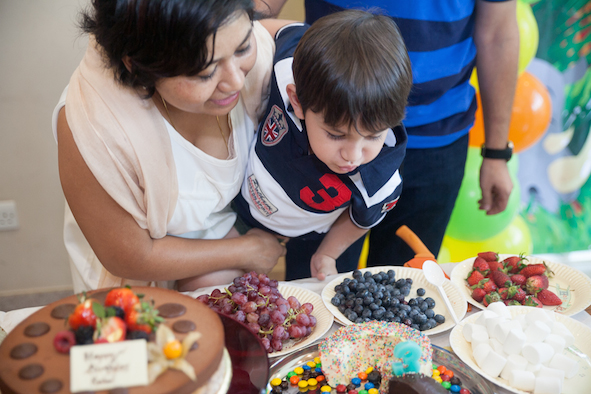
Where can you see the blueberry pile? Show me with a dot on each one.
(381, 297)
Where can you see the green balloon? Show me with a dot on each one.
(467, 222)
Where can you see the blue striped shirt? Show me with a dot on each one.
(439, 38)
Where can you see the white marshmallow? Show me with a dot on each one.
(515, 362)
(566, 364)
(560, 329)
(470, 328)
(500, 309)
(493, 363)
(557, 342)
(480, 353)
(493, 323)
(552, 372)
(480, 336)
(533, 367)
(536, 314)
(502, 330)
(547, 385)
(497, 346)
(522, 380)
(537, 353)
(484, 316)
(537, 331)
(521, 320)
(514, 342)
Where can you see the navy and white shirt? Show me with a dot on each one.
(439, 37)
(290, 192)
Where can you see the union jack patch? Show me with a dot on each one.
(389, 205)
(274, 128)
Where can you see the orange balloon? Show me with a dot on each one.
(530, 117)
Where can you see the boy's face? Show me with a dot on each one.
(342, 148)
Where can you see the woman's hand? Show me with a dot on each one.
(266, 250)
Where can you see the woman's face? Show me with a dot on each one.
(215, 90)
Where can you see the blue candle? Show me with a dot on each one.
(410, 353)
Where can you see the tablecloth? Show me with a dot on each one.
(9, 320)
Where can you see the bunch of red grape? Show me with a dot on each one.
(254, 299)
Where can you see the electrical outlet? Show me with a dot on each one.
(8, 216)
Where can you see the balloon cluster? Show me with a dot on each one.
(470, 230)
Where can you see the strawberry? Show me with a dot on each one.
(490, 298)
(110, 329)
(546, 297)
(532, 301)
(478, 294)
(535, 283)
(519, 295)
(495, 266)
(488, 285)
(122, 297)
(536, 269)
(514, 264)
(143, 317)
(474, 277)
(508, 293)
(481, 265)
(501, 279)
(489, 256)
(518, 279)
(511, 302)
(83, 314)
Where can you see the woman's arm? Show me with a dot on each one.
(128, 251)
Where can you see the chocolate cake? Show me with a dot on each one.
(29, 362)
(415, 384)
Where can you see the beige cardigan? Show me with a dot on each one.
(123, 140)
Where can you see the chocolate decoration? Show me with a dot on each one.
(30, 371)
(183, 326)
(171, 310)
(51, 386)
(62, 311)
(22, 351)
(36, 329)
(194, 346)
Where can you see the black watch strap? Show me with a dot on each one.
(503, 154)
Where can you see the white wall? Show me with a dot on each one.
(40, 47)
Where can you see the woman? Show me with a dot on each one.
(153, 134)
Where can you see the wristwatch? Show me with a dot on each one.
(504, 154)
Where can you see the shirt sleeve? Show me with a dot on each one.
(366, 212)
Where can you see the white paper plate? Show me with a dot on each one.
(571, 285)
(323, 317)
(455, 296)
(580, 383)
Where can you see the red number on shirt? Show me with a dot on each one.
(329, 203)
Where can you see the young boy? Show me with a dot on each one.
(326, 158)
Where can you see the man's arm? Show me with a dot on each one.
(496, 36)
(341, 235)
(269, 8)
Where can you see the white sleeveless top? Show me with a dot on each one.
(206, 186)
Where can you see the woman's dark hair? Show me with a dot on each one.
(162, 38)
(352, 66)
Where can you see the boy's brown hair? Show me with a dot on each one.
(353, 67)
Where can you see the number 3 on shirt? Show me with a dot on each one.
(329, 181)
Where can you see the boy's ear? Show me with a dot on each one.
(295, 102)
(127, 61)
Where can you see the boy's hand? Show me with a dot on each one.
(322, 265)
